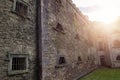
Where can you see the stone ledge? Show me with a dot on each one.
(60, 66)
(11, 73)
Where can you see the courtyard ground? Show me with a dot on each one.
(103, 74)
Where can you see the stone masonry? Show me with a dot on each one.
(108, 43)
(71, 41)
(17, 36)
(67, 40)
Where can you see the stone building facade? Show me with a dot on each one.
(17, 39)
(108, 44)
(49, 39)
(114, 49)
(67, 51)
(102, 51)
(114, 44)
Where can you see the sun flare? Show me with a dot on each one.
(105, 11)
(106, 14)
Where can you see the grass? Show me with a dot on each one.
(103, 74)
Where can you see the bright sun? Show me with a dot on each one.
(105, 15)
(106, 11)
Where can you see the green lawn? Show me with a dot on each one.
(103, 74)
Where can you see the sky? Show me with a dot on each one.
(99, 10)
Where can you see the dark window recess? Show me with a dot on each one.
(21, 8)
(79, 59)
(18, 63)
(118, 57)
(59, 28)
(62, 60)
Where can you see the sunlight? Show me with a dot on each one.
(104, 15)
(106, 11)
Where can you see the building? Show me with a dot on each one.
(67, 51)
(107, 44)
(17, 40)
(45, 40)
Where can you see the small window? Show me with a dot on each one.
(118, 57)
(20, 7)
(62, 60)
(79, 59)
(59, 28)
(18, 63)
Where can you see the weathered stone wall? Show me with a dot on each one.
(114, 51)
(70, 43)
(17, 36)
(105, 34)
(114, 44)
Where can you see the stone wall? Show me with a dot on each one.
(67, 42)
(65, 33)
(114, 49)
(17, 36)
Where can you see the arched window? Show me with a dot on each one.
(116, 44)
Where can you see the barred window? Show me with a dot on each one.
(18, 63)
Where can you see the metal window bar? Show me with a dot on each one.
(18, 63)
